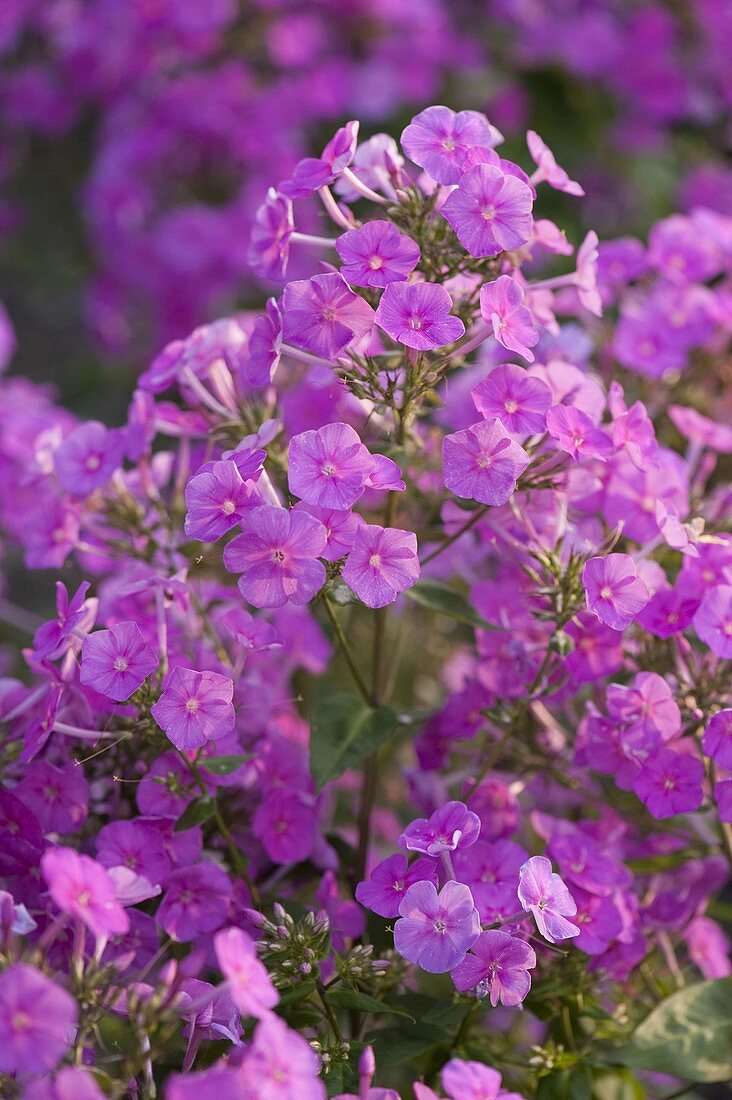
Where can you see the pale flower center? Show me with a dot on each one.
(121, 664)
(510, 405)
(192, 705)
(20, 1020)
(328, 469)
(375, 561)
(606, 593)
(440, 926)
(228, 507)
(375, 263)
(488, 213)
(93, 462)
(483, 462)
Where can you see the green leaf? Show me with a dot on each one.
(617, 1085)
(350, 999)
(395, 1048)
(298, 993)
(689, 1035)
(439, 597)
(344, 731)
(223, 765)
(198, 811)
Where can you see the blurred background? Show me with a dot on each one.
(138, 136)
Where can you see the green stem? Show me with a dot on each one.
(346, 650)
(446, 542)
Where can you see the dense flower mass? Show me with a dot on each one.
(382, 728)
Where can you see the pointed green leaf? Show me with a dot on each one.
(195, 813)
(440, 597)
(344, 731)
(350, 999)
(223, 765)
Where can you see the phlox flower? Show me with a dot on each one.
(280, 1064)
(450, 827)
(713, 620)
(88, 457)
(384, 889)
(585, 277)
(502, 307)
(547, 168)
(576, 434)
(73, 617)
(497, 966)
(277, 557)
(195, 707)
(218, 1083)
(670, 783)
(511, 395)
(249, 632)
(70, 1083)
(717, 740)
(137, 845)
(37, 1021)
(323, 315)
(490, 211)
(264, 348)
(286, 823)
(269, 243)
(249, 983)
(340, 528)
(217, 499)
(329, 467)
(382, 563)
(418, 315)
(463, 1080)
(116, 662)
(83, 889)
(483, 462)
(312, 173)
(58, 796)
(440, 140)
(542, 893)
(195, 901)
(376, 254)
(614, 591)
(436, 930)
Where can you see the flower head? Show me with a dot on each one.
(547, 168)
(542, 893)
(436, 930)
(670, 783)
(440, 140)
(450, 827)
(614, 591)
(576, 433)
(385, 887)
(713, 620)
(277, 557)
(376, 254)
(117, 661)
(195, 902)
(83, 889)
(498, 967)
(37, 1020)
(323, 314)
(269, 245)
(483, 462)
(418, 315)
(511, 395)
(217, 499)
(382, 563)
(490, 211)
(502, 307)
(88, 457)
(329, 467)
(195, 707)
(249, 983)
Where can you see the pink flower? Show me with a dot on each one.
(576, 434)
(385, 887)
(116, 662)
(195, 707)
(440, 141)
(249, 983)
(473, 1081)
(37, 1021)
(450, 827)
(315, 172)
(323, 314)
(490, 211)
(88, 457)
(382, 563)
(376, 254)
(195, 902)
(717, 742)
(547, 168)
(264, 347)
(498, 967)
(269, 245)
(340, 528)
(700, 429)
(511, 395)
(542, 892)
(280, 1064)
(73, 617)
(670, 783)
(217, 499)
(501, 305)
(418, 315)
(83, 889)
(286, 822)
(436, 930)
(614, 591)
(483, 463)
(329, 467)
(713, 620)
(585, 278)
(277, 557)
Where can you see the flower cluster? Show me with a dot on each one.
(387, 689)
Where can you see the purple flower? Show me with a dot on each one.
(269, 244)
(576, 434)
(376, 254)
(37, 1021)
(670, 783)
(498, 967)
(547, 168)
(502, 306)
(382, 563)
(614, 591)
(418, 315)
(450, 827)
(472, 1081)
(585, 278)
(137, 845)
(249, 983)
(70, 1083)
(279, 1064)
(482, 462)
(385, 887)
(277, 557)
(195, 902)
(542, 893)
(511, 395)
(713, 620)
(264, 348)
(314, 172)
(59, 797)
(250, 633)
(329, 467)
(440, 140)
(323, 314)
(491, 869)
(88, 457)
(75, 615)
(117, 661)
(217, 499)
(340, 528)
(286, 822)
(436, 930)
(717, 741)
(195, 707)
(83, 889)
(490, 211)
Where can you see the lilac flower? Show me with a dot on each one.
(217, 499)
(511, 395)
(713, 620)
(547, 168)
(59, 797)
(315, 172)
(440, 140)
(277, 557)
(502, 306)
(116, 662)
(37, 1021)
(585, 278)
(265, 346)
(83, 889)
(323, 314)
(137, 845)
(269, 245)
(286, 823)
(450, 827)
(382, 563)
(195, 707)
(483, 462)
(614, 591)
(70, 1083)
(249, 983)
(385, 887)
(250, 633)
(670, 783)
(74, 616)
(376, 254)
(490, 211)
(717, 741)
(88, 457)
(195, 901)
(491, 869)
(280, 1064)
(329, 467)
(340, 528)
(436, 930)
(576, 434)
(542, 893)
(473, 1081)
(418, 315)
(498, 967)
